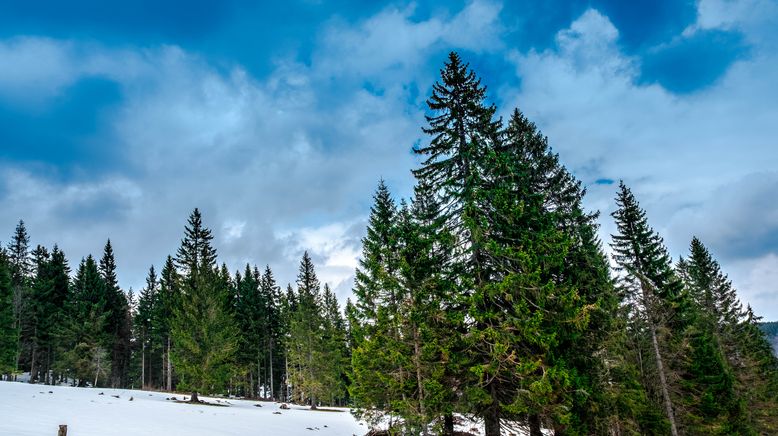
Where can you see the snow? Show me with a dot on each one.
(30, 409)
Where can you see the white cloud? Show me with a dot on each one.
(303, 147)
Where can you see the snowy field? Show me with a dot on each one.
(32, 410)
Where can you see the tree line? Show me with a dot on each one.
(194, 326)
(488, 294)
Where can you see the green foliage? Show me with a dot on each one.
(204, 336)
(203, 331)
(9, 334)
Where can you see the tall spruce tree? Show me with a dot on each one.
(84, 333)
(144, 325)
(726, 397)
(204, 333)
(652, 289)
(169, 300)
(270, 295)
(9, 333)
(21, 270)
(118, 326)
(463, 133)
(307, 363)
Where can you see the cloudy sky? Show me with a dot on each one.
(118, 118)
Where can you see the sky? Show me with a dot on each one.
(277, 120)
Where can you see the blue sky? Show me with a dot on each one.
(278, 119)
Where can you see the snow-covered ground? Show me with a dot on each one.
(39, 410)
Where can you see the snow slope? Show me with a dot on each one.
(31, 410)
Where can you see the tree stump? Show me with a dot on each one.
(63, 430)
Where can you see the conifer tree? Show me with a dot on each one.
(84, 334)
(250, 323)
(652, 289)
(169, 300)
(203, 330)
(21, 270)
(144, 325)
(118, 326)
(378, 380)
(270, 295)
(726, 394)
(9, 333)
(306, 351)
(49, 294)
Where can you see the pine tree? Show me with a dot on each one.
(49, 294)
(118, 326)
(195, 253)
(144, 325)
(270, 295)
(169, 301)
(9, 333)
(335, 351)
(249, 318)
(653, 291)
(723, 382)
(377, 380)
(21, 270)
(306, 351)
(84, 332)
(204, 333)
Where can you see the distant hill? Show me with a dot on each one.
(771, 330)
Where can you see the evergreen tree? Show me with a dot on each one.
(726, 396)
(9, 333)
(652, 290)
(204, 333)
(249, 318)
(49, 293)
(307, 364)
(169, 300)
(118, 326)
(270, 296)
(144, 325)
(334, 346)
(21, 270)
(84, 334)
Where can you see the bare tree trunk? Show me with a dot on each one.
(143, 364)
(97, 370)
(195, 398)
(534, 425)
(33, 369)
(663, 382)
(492, 421)
(417, 363)
(286, 377)
(448, 424)
(272, 390)
(169, 368)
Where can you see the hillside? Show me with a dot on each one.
(771, 330)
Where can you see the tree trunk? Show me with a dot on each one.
(419, 379)
(272, 391)
(534, 426)
(663, 382)
(143, 365)
(33, 369)
(448, 424)
(194, 398)
(169, 367)
(492, 421)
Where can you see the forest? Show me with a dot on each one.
(488, 294)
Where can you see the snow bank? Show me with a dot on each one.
(32, 410)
